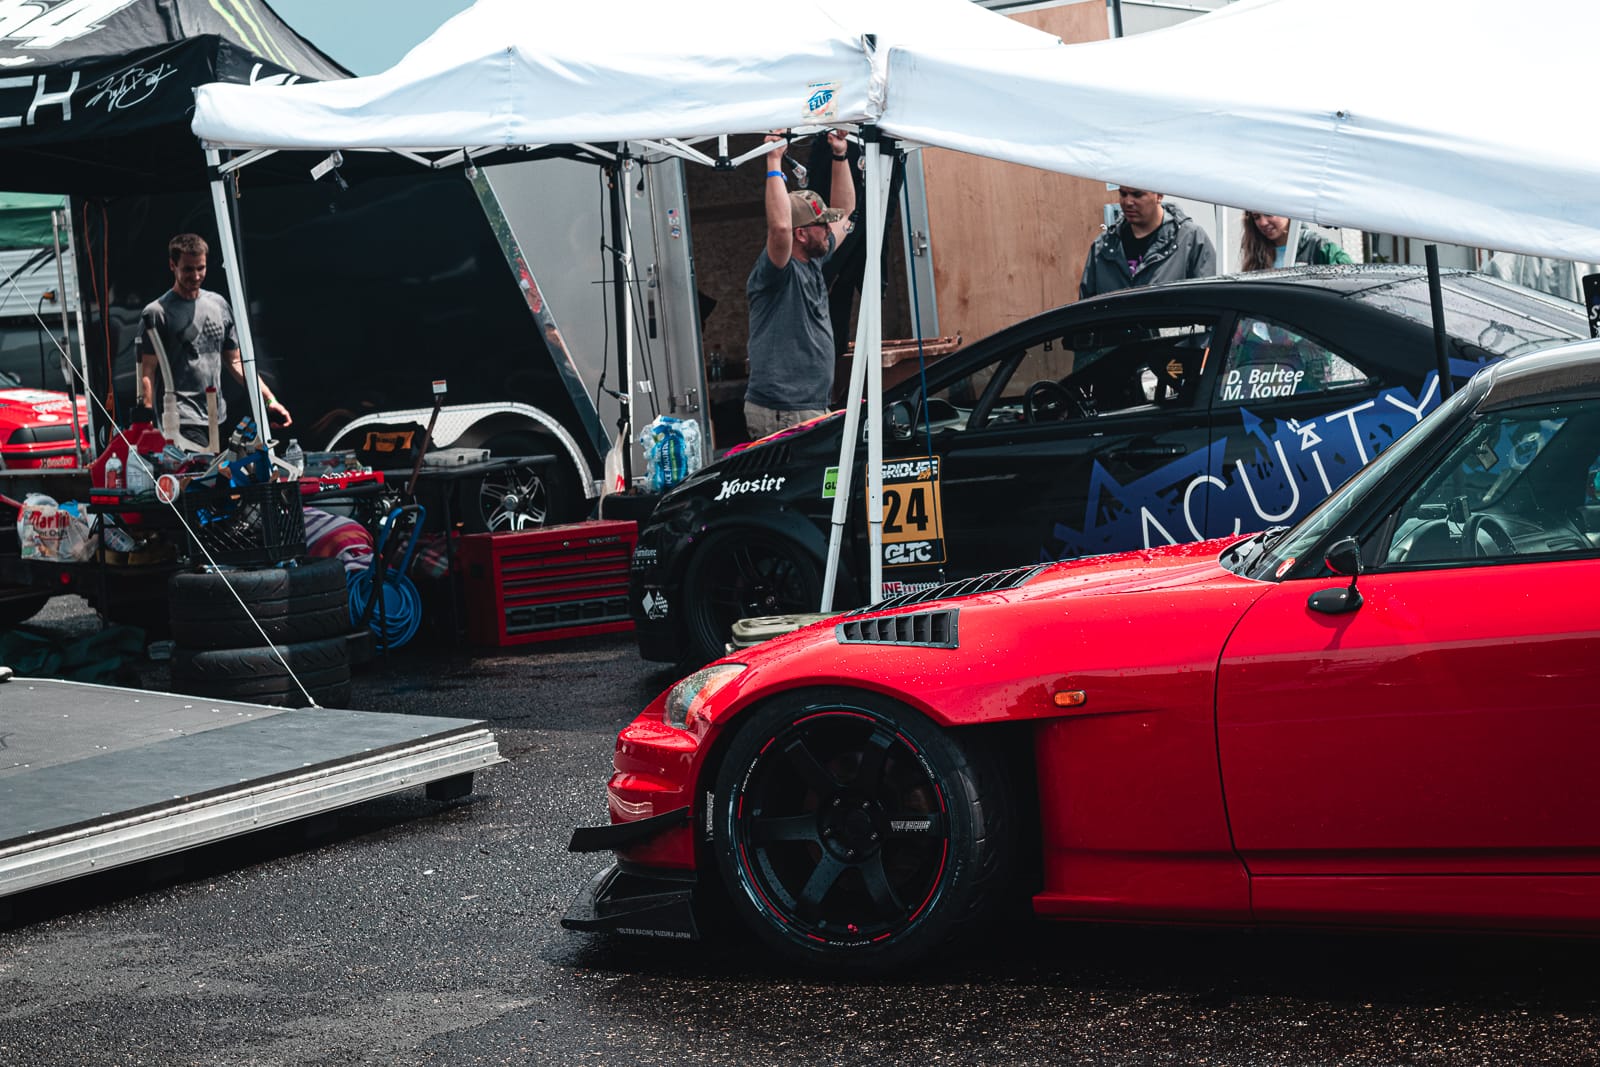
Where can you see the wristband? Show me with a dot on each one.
(842, 158)
(776, 174)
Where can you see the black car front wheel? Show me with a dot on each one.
(853, 834)
(742, 574)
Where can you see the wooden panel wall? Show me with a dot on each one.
(1009, 241)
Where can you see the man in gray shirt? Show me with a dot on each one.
(791, 335)
(197, 332)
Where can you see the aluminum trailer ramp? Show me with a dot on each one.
(93, 776)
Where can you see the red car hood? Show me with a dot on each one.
(1099, 623)
(37, 407)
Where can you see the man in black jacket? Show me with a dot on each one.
(1151, 243)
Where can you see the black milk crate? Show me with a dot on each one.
(255, 525)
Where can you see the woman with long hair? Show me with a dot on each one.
(1264, 244)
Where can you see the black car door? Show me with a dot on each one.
(1292, 419)
(1079, 437)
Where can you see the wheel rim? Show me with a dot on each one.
(750, 578)
(516, 499)
(841, 829)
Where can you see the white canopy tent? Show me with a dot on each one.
(1456, 121)
(507, 74)
(1325, 127)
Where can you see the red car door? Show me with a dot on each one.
(1449, 725)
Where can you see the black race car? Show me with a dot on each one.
(1142, 418)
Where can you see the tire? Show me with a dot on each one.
(21, 609)
(309, 618)
(741, 574)
(854, 835)
(256, 675)
(264, 587)
(292, 605)
(520, 498)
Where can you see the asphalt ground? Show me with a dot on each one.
(408, 931)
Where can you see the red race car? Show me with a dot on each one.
(36, 429)
(1386, 715)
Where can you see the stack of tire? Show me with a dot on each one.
(303, 610)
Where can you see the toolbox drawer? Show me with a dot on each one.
(546, 584)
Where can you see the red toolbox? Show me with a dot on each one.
(546, 584)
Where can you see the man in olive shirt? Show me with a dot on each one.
(791, 334)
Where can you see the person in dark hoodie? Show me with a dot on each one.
(1150, 243)
(1264, 244)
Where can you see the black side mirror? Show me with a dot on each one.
(1344, 559)
(901, 421)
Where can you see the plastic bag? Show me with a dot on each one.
(672, 451)
(52, 531)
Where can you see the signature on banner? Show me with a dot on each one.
(129, 87)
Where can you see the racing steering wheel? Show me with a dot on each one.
(1048, 400)
(1483, 522)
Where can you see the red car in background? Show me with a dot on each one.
(1386, 715)
(36, 428)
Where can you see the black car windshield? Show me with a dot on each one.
(1501, 319)
(1282, 551)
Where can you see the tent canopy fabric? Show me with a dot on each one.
(1292, 107)
(25, 219)
(506, 72)
(1297, 108)
(102, 105)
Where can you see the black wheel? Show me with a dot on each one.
(524, 497)
(741, 574)
(259, 676)
(854, 834)
(21, 609)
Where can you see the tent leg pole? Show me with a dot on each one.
(621, 254)
(233, 263)
(865, 372)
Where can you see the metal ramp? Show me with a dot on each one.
(93, 777)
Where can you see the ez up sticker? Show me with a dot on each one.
(821, 105)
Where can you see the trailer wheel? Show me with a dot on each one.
(521, 497)
(21, 609)
(257, 674)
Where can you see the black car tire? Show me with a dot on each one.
(540, 493)
(291, 604)
(854, 835)
(741, 574)
(257, 674)
(309, 618)
(262, 587)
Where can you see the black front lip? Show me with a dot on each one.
(645, 902)
(622, 834)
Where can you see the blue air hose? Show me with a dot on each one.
(396, 616)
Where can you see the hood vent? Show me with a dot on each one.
(983, 583)
(755, 460)
(928, 629)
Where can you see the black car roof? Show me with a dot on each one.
(1345, 279)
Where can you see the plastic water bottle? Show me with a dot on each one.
(295, 457)
(140, 479)
(113, 473)
(672, 447)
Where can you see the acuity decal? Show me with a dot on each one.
(1247, 480)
